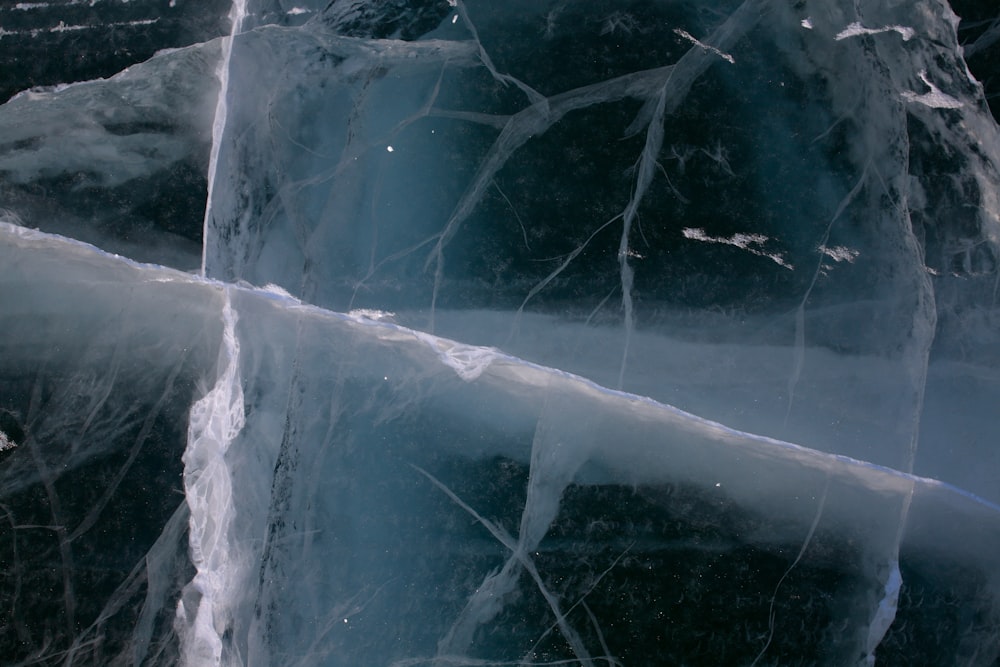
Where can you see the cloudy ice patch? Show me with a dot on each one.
(6, 442)
(934, 99)
(689, 37)
(62, 26)
(752, 243)
(278, 290)
(468, 361)
(372, 314)
(855, 29)
(839, 253)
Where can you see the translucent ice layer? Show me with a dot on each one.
(638, 333)
(348, 480)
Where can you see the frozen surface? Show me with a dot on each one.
(121, 162)
(48, 42)
(471, 333)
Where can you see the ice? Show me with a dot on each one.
(470, 333)
(855, 29)
(468, 361)
(366, 465)
(215, 421)
(935, 98)
(99, 422)
(112, 162)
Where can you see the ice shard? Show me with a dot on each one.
(442, 332)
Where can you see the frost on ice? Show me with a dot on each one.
(459, 333)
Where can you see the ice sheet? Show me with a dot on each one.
(523, 333)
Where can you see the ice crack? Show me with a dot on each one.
(216, 420)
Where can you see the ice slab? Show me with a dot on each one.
(785, 230)
(372, 489)
(532, 333)
(118, 162)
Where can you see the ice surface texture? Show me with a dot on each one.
(642, 333)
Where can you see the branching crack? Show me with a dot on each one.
(520, 556)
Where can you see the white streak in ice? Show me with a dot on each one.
(885, 614)
(935, 98)
(689, 37)
(236, 15)
(752, 243)
(855, 29)
(215, 422)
